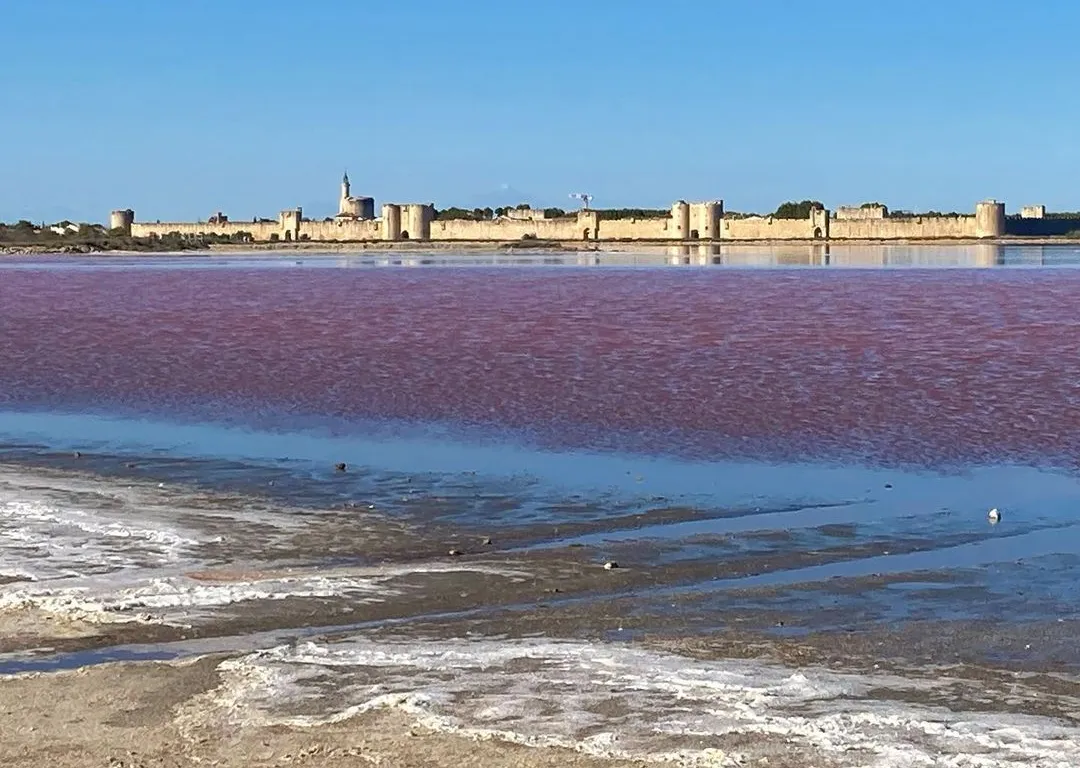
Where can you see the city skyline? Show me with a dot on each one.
(247, 108)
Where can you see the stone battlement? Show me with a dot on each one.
(356, 222)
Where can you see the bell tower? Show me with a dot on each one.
(343, 201)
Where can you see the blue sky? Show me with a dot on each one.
(178, 109)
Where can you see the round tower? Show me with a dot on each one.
(680, 221)
(418, 221)
(710, 220)
(391, 221)
(351, 206)
(990, 219)
(122, 220)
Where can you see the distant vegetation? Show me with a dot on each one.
(487, 214)
(1062, 215)
(67, 237)
(800, 210)
(612, 214)
(924, 214)
(476, 214)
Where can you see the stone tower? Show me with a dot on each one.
(680, 221)
(391, 221)
(989, 219)
(122, 220)
(416, 220)
(704, 221)
(343, 202)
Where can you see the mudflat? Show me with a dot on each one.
(148, 715)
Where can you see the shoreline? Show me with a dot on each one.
(265, 640)
(526, 246)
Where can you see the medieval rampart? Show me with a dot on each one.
(768, 228)
(259, 231)
(1052, 226)
(914, 228)
(584, 226)
(341, 230)
(636, 229)
(686, 222)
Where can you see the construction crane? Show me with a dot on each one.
(583, 198)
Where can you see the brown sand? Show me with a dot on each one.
(138, 715)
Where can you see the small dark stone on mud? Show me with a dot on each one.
(888, 485)
(340, 466)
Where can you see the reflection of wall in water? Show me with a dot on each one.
(975, 255)
(773, 256)
(1031, 255)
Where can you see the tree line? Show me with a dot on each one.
(94, 237)
(488, 213)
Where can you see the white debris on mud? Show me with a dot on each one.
(620, 701)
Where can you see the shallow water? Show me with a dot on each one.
(802, 450)
(929, 368)
(896, 401)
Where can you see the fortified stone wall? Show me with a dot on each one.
(769, 228)
(687, 222)
(259, 230)
(926, 227)
(526, 214)
(342, 229)
(861, 212)
(1021, 227)
(582, 227)
(636, 229)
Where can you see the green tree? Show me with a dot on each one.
(800, 210)
(611, 214)
(452, 213)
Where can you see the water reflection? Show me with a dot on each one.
(972, 256)
(827, 255)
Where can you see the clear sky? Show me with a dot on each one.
(178, 108)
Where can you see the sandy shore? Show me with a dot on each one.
(239, 630)
(150, 715)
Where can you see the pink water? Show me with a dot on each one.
(924, 367)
